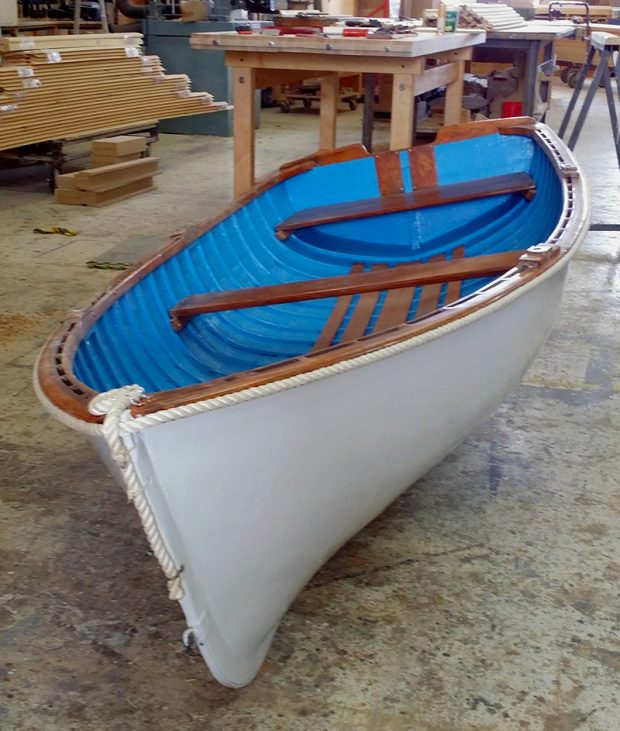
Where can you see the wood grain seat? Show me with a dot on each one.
(394, 309)
(432, 195)
(432, 274)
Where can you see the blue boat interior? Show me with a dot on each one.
(133, 341)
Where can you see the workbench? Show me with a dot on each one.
(535, 44)
(260, 60)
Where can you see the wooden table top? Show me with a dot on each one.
(410, 46)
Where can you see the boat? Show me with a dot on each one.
(273, 378)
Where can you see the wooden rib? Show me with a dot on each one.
(453, 291)
(404, 275)
(364, 308)
(422, 198)
(429, 298)
(395, 310)
(334, 321)
(389, 173)
(422, 165)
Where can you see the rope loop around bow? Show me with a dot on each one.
(114, 406)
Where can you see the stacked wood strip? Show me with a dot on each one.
(490, 17)
(55, 87)
(113, 150)
(107, 184)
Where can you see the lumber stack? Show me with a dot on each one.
(58, 87)
(112, 150)
(490, 17)
(104, 185)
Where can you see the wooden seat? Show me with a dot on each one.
(433, 195)
(433, 275)
(393, 311)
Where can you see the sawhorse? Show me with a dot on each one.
(606, 45)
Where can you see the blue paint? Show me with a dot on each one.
(134, 343)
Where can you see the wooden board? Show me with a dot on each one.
(97, 199)
(107, 178)
(409, 46)
(118, 146)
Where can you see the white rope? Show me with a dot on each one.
(114, 405)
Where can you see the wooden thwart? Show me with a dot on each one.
(421, 198)
(405, 275)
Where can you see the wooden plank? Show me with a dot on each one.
(97, 199)
(395, 310)
(336, 317)
(429, 297)
(119, 146)
(454, 96)
(422, 166)
(243, 129)
(389, 173)
(344, 64)
(328, 111)
(106, 178)
(364, 309)
(94, 86)
(402, 46)
(421, 198)
(68, 196)
(405, 275)
(403, 101)
(97, 161)
(435, 77)
(453, 290)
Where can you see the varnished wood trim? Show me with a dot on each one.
(379, 279)
(455, 132)
(334, 321)
(55, 371)
(422, 166)
(389, 173)
(397, 202)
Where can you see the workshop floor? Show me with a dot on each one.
(486, 597)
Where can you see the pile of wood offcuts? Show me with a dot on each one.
(56, 87)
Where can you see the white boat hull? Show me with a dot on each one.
(251, 499)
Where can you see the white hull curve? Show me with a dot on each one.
(252, 518)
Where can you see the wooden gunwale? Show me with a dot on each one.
(64, 391)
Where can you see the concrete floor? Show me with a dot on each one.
(486, 597)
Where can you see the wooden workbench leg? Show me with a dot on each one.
(329, 110)
(244, 96)
(454, 96)
(403, 101)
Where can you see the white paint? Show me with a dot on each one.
(253, 498)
